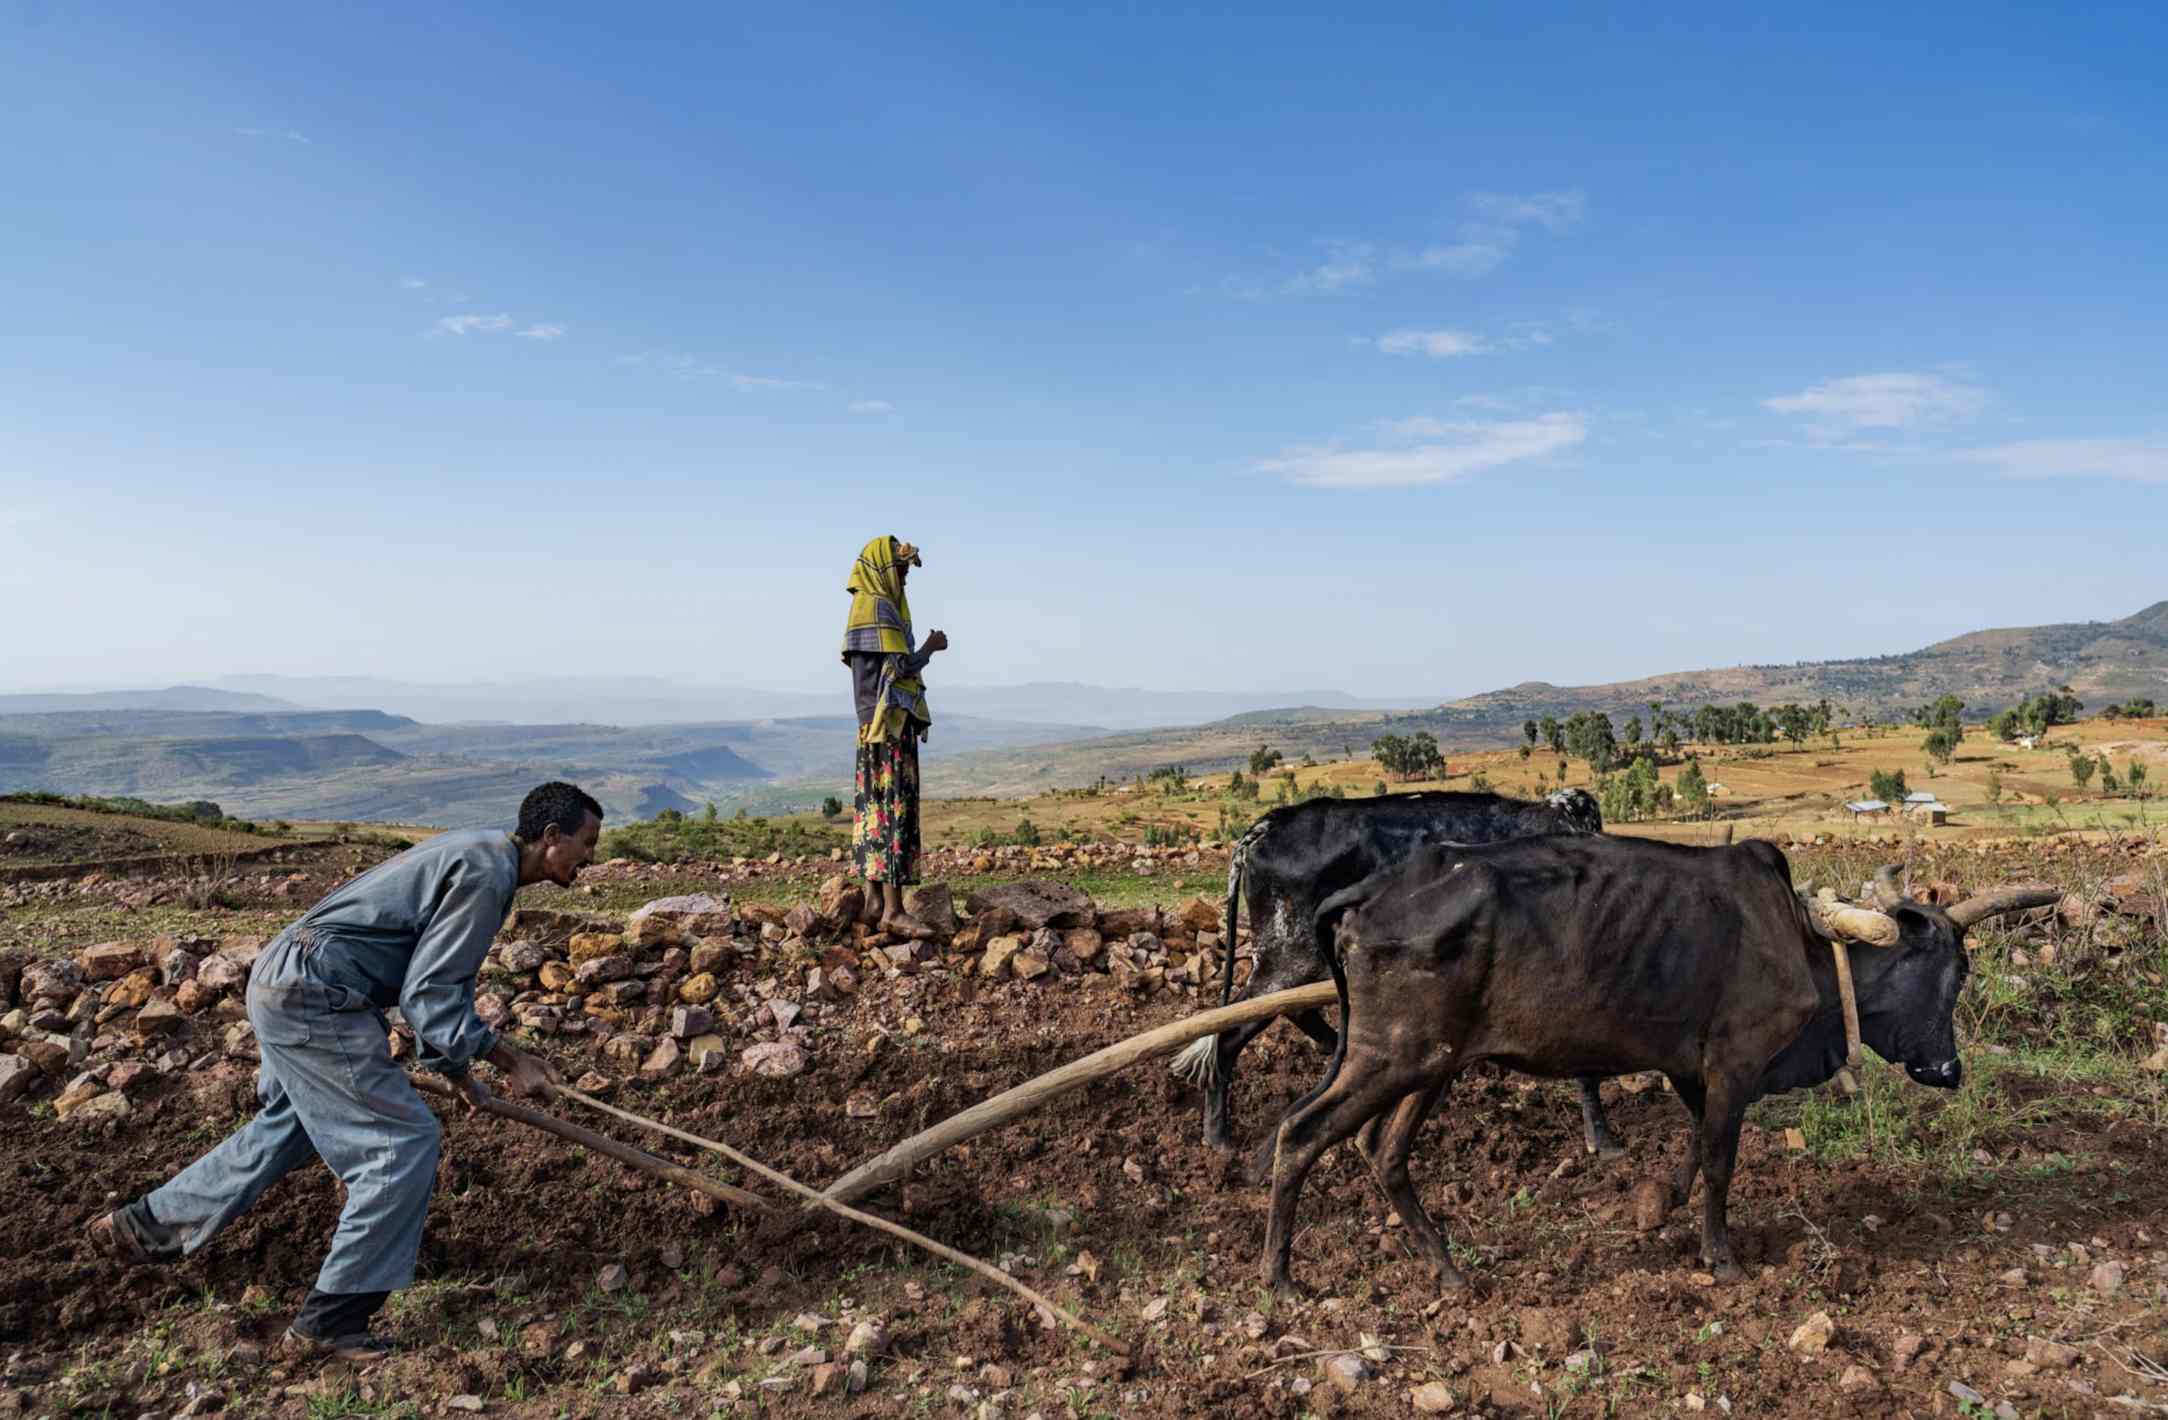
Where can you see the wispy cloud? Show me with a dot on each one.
(870, 406)
(755, 384)
(1464, 258)
(1430, 451)
(284, 135)
(471, 324)
(1893, 400)
(2139, 460)
(1348, 266)
(692, 367)
(1554, 211)
(412, 283)
(543, 330)
(1437, 344)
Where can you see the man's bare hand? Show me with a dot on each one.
(531, 1076)
(936, 641)
(473, 1094)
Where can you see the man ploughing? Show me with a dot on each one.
(410, 933)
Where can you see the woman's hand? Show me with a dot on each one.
(936, 641)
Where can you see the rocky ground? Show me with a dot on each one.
(2003, 1251)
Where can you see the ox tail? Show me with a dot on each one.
(1199, 1062)
(1326, 928)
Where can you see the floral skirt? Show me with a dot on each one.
(884, 840)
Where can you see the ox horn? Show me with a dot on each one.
(1888, 893)
(2010, 899)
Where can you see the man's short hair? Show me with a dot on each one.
(559, 803)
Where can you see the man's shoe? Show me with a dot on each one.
(110, 1237)
(358, 1350)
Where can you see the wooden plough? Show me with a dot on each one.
(893, 1163)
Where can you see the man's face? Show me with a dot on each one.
(564, 854)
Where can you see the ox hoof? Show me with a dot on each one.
(1727, 1273)
(1451, 1281)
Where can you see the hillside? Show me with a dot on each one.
(2104, 662)
(176, 697)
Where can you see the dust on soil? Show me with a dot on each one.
(1107, 1201)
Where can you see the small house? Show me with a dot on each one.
(1859, 808)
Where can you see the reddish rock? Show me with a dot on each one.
(1035, 903)
(109, 960)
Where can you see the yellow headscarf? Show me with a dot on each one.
(877, 578)
(880, 622)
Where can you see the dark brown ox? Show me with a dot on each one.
(1572, 957)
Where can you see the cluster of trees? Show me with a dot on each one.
(2137, 708)
(1888, 785)
(2036, 714)
(1415, 756)
(1944, 722)
(1264, 759)
(2084, 766)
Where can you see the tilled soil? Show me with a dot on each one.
(1577, 1309)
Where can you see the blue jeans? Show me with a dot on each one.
(329, 1089)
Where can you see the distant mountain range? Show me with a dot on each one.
(361, 748)
(652, 701)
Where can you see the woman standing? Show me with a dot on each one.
(885, 662)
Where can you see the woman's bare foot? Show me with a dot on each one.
(903, 924)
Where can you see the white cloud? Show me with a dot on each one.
(2141, 460)
(753, 384)
(1455, 449)
(1464, 258)
(467, 325)
(543, 330)
(285, 134)
(1553, 210)
(1437, 344)
(870, 406)
(1349, 266)
(1894, 400)
(412, 283)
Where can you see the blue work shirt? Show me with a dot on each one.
(412, 931)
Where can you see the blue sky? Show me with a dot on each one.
(1419, 352)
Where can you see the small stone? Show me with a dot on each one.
(2107, 1278)
(868, 1338)
(1858, 1380)
(1347, 1370)
(999, 952)
(689, 1021)
(16, 1076)
(109, 960)
(826, 1377)
(2050, 1355)
(776, 1059)
(613, 1278)
(158, 1018)
(662, 1062)
(1029, 965)
(521, 958)
(699, 989)
(1649, 1204)
(472, 1404)
(784, 1013)
(1813, 1335)
(1434, 1398)
(809, 1356)
(600, 970)
(635, 1379)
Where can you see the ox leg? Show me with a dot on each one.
(1217, 1132)
(1390, 1164)
(1719, 1139)
(1596, 1129)
(1682, 1179)
(1261, 1167)
(1352, 1098)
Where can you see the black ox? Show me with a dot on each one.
(1295, 857)
(1570, 956)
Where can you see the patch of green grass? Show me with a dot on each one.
(346, 1401)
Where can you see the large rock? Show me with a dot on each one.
(588, 946)
(597, 970)
(999, 952)
(1201, 915)
(841, 903)
(800, 920)
(676, 921)
(16, 1075)
(47, 1056)
(935, 906)
(176, 965)
(132, 990)
(1035, 903)
(221, 973)
(662, 1061)
(1117, 923)
(698, 989)
(47, 982)
(689, 1021)
(550, 926)
(109, 960)
(520, 958)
